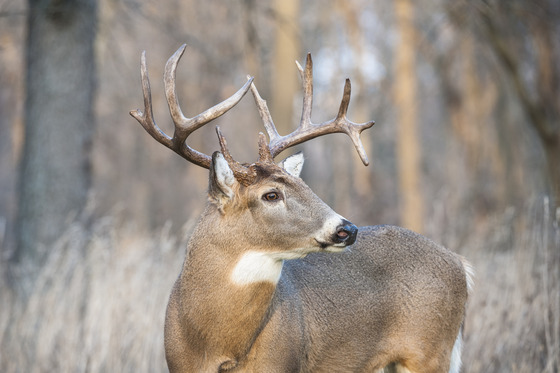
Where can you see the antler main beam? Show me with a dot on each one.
(183, 126)
(307, 129)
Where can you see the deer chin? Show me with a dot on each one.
(336, 248)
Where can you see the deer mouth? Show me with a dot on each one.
(331, 248)
(323, 245)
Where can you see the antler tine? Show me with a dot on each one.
(183, 126)
(146, 118)
(245, 175)
(264, 113)
(353, 130)
(307, 79)
(308, 130)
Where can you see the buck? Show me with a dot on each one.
(275, 281)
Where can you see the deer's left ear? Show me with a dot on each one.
(293, 164)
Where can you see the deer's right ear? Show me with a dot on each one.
(221, 178)
(293, 164)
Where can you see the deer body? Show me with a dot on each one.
(275, 281)
(383, 299)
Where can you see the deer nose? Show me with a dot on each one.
(346, 233)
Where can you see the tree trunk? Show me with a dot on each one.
(55, 167)
(538, 99)
(552, 156)
(408, 148)
(286, 51)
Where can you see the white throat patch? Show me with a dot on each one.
(255, 266)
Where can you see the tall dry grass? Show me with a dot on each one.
(99, 304)
(513, 319)
(100, 301)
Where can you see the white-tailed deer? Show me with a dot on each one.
(249, 297)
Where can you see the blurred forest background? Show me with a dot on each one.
(94, 214)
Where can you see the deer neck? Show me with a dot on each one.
(225, 300)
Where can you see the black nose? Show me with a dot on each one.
(346, 233)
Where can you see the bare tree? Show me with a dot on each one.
(286, 51)
(408, 147)
(55, 168)
(523, 36)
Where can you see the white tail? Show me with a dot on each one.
(275, 281)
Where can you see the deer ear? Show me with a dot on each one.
(293, 164)
(221, 178)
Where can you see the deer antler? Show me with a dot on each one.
(307, 129)
(183, 126)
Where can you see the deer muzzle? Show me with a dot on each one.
(346, 233)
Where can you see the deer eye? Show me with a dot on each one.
(271, 196)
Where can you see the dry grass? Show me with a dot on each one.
(100, 302)
(99, 305)
(513, 320)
